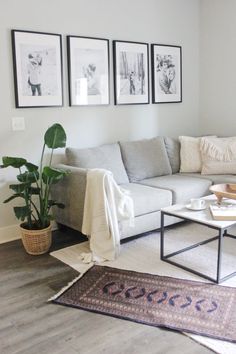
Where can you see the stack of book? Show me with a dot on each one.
(224, 211)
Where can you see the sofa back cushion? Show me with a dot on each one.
(173, 152)
(190, 155)
(145, 158)
(105, 156)
(218, 155)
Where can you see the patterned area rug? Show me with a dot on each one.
(154, 300)
(143, 255)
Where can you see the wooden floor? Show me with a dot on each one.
(30, 325)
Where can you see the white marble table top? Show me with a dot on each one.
(203, 216)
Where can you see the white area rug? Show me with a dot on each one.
(143, 255)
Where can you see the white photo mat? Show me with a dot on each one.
(28, 47)
(88, 63)
(166, 73)
(131, 72)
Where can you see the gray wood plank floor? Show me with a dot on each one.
(30, 325)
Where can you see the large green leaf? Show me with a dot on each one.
(55, 137)
(22, 212)
(20, 187)
(53, 175)
(27, 176)
(16, 162)
(17, 195)
(31, 167)
(34, 190)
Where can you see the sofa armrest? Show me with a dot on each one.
(71, 192)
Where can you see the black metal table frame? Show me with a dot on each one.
(222, 232)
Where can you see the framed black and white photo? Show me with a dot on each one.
(88, 65)
(166, 73)
(37, 59)
(131, 77)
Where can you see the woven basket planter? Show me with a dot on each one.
(36, 242)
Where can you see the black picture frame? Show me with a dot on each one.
(166, 62)
(131, 72)
(88, 71)
(37, 67)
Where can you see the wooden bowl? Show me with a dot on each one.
(232, 186)
(226, 190)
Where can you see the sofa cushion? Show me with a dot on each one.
(218, 155)
(190, 155)
(173, 152)
(105, 156)
(144, 223)
(183, 187)
(216, 179)
(147, 199)
(145, 158)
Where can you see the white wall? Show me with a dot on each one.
(217, 67)
(152, 21)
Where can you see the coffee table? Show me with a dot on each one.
(202, 217)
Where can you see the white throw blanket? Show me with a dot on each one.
(105, 204)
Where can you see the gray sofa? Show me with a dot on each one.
(148, 168)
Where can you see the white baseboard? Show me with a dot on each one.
(9, 233)
(12, 232)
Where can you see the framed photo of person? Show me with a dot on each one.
(88, 65)
(131, 72)
(166, 73)
(37, 61)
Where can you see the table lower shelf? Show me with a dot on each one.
(222, 233)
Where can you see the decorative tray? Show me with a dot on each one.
(226, 190)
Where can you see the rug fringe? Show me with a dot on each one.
(54, 297)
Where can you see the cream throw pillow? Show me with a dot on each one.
(190, 155)
(218, 155)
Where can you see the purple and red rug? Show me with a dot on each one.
(183, 305)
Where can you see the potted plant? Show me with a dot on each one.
(33, 187)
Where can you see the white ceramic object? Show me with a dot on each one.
(189, 206)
